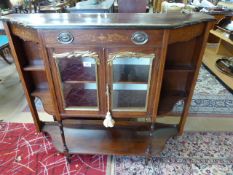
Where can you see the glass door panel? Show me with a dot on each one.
(131, 74)
(78, 79)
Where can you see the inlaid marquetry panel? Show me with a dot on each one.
(104, 37)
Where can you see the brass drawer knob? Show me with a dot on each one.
(139, 38)
(65, 38)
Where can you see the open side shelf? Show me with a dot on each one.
(40, 92)
(34, 68)
(109, 141)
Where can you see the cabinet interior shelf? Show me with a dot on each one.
(89, 81)
(77, 82)
(129, 82)
(34, 68)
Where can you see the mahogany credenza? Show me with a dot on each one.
(90, 68)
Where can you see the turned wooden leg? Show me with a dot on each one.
(66, 150)
(149, 148)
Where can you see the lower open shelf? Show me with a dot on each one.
(114, 141)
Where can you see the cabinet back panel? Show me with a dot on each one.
(175, 81)
(181, 53)
(32, 52)
(39, 80)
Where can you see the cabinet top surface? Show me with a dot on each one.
(104, 20)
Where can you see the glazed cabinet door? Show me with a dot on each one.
(77, 80)
(129, 82)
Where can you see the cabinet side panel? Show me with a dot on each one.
(18, 55)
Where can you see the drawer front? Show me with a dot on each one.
(104, 37)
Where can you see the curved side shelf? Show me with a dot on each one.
(168, 101)
(46, 100)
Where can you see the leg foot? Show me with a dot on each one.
(148, 155)
(68, 158)
(147, 159)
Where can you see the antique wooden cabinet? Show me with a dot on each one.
(90, 68)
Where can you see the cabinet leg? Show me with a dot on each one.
(184, 115)
(68, 158)
(148, 154)
(66, 150)
(147, 160)
(149, 148)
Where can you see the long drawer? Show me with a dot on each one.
(104, 37)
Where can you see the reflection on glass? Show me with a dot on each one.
(77, 69)
(131, 69)
(79, 82)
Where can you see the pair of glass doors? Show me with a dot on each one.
(128, 77)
